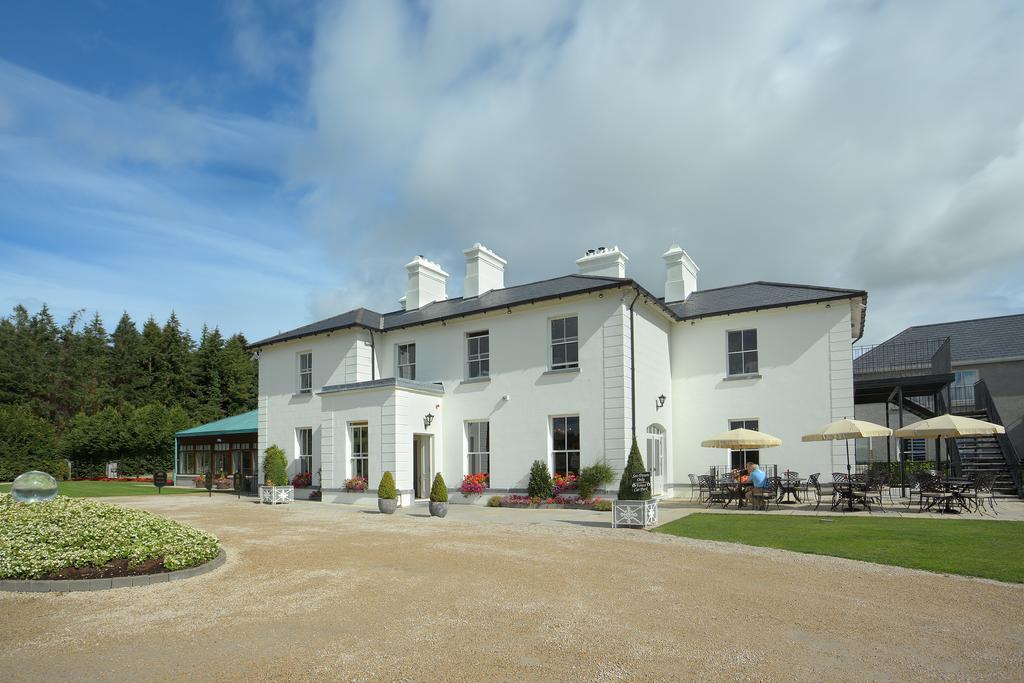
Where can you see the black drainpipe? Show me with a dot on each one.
(632, 367)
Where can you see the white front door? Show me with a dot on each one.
(656, 458)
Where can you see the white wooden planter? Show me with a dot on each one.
(277, 495)
(635, 513)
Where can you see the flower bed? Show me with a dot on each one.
(523, 501)
(474, 484)
(356, 484)
(302, 480)
(148, 480)
(78, 538)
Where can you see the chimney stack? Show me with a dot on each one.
(604, 261)
(427, 283)
(680, 274)
(485, 271)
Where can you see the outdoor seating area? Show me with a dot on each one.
(870, 490)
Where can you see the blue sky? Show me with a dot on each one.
(257, 165)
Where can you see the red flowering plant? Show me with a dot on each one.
(302, 480)
(355, 484)
(565, 482)
(474, 484)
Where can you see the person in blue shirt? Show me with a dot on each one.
(755, 477)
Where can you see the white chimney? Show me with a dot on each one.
(680, 274)
(606, 261)
(485, 271)
(427, 283)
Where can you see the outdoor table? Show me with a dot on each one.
(954, 486)
(735, 491)
(789, 488)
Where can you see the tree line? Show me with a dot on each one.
(75, 391)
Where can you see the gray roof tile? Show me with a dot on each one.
(707, 302)
(972, 340)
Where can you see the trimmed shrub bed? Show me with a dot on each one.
(556, 502)
(75, 538)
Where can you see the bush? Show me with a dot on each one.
(540, 485)
(27, 443)
(302, 480)
(439, 490)
(634, 465)
(603, 506)
(494, 502)
(275, 467)
(386, 489)
(593, 478)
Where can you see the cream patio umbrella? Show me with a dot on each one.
(844, 430)
(742, 440)
(949, 427)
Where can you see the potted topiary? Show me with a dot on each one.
(387, 494)
(275, 489)
(634, 506)
(438, 497)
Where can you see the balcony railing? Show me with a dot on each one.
(903, 359)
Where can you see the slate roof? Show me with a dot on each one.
(236, 424)
(755, 296)
(972, 340)
(702, 303)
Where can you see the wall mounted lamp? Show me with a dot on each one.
(427, 420)
(659, 402)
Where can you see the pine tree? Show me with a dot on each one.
(150, 348)
(540, 484)
(128, 379)
(174, 377)
(92, 367)
(206, 365)
(238, 375)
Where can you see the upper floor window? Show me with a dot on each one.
(305, 372)
(743, 352)
(565, 444)
(478, 353)
(478, 446)
(304, 442)
(565, 342)
(407, 361)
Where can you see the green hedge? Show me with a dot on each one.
(634, 465)
(540, 484)
(439, 490)
(28, 443)
(386, 489)
(275, 467)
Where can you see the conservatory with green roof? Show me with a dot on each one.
(221, 448)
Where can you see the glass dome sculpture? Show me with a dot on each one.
(34, 487)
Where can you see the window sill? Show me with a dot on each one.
(476, 380)
(562, 371)
(303, 394)
(747, 375)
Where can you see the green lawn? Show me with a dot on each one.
(990, 549)
(94, 489)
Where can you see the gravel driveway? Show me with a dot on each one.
(330, 592)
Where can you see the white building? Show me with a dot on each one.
(561, 370)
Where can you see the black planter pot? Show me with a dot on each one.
(387, 505)
(438, 509)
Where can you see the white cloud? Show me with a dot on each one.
(848, 144)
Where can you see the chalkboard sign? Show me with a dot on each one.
(159, 480)
(641, 481)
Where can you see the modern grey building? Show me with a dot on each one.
(970, 367)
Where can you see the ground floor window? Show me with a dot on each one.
(737, 459)
(565, 438)
(360, 461)
(478, 442)
(304, 443)
(915, 450)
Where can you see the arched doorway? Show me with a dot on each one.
(656, 457)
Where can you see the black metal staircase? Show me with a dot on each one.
(989, 453)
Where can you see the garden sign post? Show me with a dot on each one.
(159, 481)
